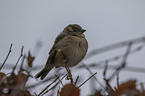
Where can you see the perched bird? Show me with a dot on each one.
(69, 49)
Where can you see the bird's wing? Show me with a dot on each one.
(51, 56)
(58, 38)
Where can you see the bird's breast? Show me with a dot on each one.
(75, 51)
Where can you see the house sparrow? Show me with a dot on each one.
(69, 49)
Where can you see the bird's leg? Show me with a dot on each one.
(69, 76)
(67, 68)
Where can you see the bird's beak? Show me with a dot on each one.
(83, 30)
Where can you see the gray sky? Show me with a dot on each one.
(24, 22)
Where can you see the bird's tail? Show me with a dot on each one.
(44, 71)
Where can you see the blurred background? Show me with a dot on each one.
(32, 23)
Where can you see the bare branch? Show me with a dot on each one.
(86, 67)
(6, 57)
(54, 85)
(76, 80)
(105, 69)
(87, 79)
(123, 63)
(114, 46)
(18, 59)
(42, 82)
(21, 67)
(117, 80)
(47, 86)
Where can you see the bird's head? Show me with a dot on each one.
(74, 29)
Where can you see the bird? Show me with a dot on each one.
(69, 48)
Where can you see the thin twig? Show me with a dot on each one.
(35, 94)
(76, 80)
(109, 88)
(87, 79)
(117, 78)
(58, 91)
(18, 59)
(47, 86)
(86, 67)
(123, 63)
(115, 58)
(54, 85)
(105, 69)
(21, 67)
(42, 82)
(114, 46)
(6, 57)
(59, 80)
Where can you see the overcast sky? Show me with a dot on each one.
(24, 22)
